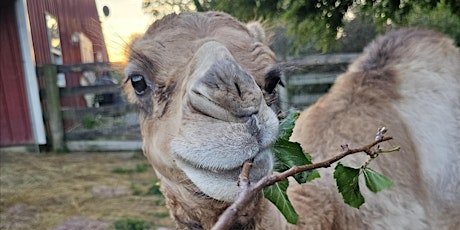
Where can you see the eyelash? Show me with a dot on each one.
(273, 78)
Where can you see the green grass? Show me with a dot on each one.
(90, 122)
(140, 168)
(131, 224)
(161, 214)
(154, 189)
(146, 189)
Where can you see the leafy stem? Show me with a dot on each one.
(374, 181)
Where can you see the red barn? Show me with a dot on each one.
(36, 32)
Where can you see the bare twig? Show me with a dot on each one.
(248, 191)
(380, 133)
(246, 195)
(377, 152)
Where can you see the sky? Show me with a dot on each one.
(125, 18)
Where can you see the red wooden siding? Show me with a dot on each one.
(72, 16)
(15, 127)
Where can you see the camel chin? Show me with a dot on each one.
(222, 184)
(213, 162)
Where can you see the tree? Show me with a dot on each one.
(322, 22)
(440, 19)
(160, 8)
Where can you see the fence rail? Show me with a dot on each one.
(81, 90)
(110, 110)
(60, 139)
(310, 77)
(82, 67)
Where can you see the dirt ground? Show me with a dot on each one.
(80, 191)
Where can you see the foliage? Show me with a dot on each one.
(131, 224)
(375, 181)
(137, 190)
(154, 189)
(357, 33)
(347, 184)
(90, 122)
(321, 22)
(440, 19)
(160, 8)
(277, 194)
(289, 154)
(140, 168)
(146, 189)
(347, 179)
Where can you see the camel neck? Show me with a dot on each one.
(191, 209)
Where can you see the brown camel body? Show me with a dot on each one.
(204, 83)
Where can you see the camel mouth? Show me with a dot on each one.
(222, 184)
(211, 150)
(231, 145)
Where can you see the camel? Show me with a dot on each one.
(204, 84)
(408, 81)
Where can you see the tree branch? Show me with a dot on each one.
(248, 191)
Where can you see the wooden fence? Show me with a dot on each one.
(61, 139)
(310, 77)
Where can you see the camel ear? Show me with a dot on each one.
(257, 32)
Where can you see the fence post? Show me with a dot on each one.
(53, 107)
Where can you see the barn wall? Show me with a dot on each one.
(16, 106)
(72, 16)
(15, 122)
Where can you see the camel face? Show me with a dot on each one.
(199, 81)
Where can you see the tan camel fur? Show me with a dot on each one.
(408, 81)
(204, 84)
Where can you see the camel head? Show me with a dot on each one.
(199, 80)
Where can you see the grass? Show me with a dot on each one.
(130, 224)
(140, 168)
(90, 122)
(41, 191)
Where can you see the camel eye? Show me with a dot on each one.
(139, 84)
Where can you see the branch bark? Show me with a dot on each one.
(249, 191)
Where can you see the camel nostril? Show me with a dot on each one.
(238, 90)
(220, 88)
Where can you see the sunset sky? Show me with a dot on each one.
(126, 18)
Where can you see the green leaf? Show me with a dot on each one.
(375, 181)
(347, 183)
(278, 196)
(287, 125)
(289, 154)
